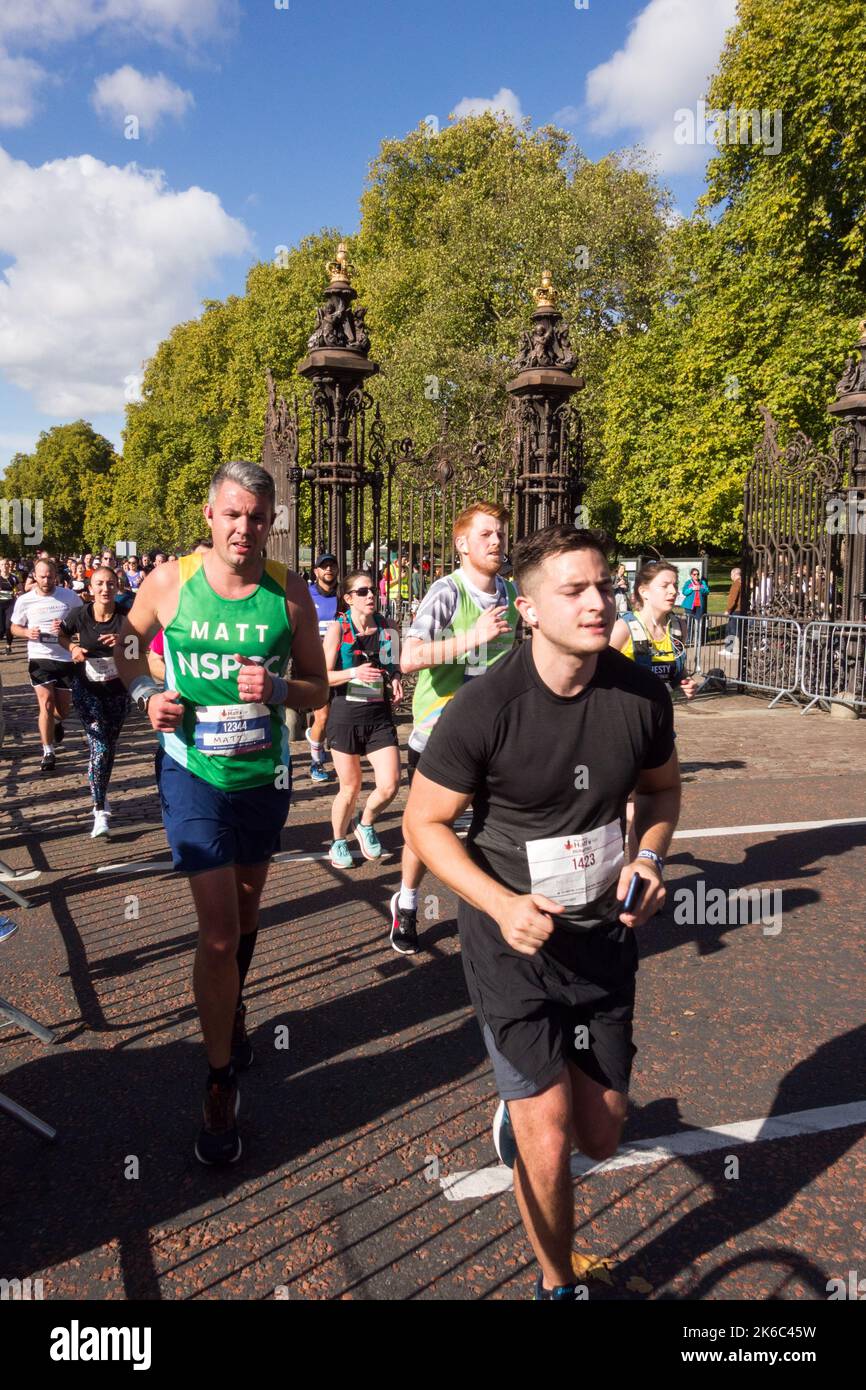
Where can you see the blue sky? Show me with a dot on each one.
(255, 125)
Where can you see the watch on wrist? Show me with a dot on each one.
(656, 858)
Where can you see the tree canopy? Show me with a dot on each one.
(759, 294)
(682, 326)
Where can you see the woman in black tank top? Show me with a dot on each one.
(359, 654)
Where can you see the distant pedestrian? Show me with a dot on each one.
(732, 608)
(620, 590)
(695, 593)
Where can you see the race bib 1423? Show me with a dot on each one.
(576, 869)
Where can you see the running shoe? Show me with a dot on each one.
(340, 855)
(218, 1141)
(320, 773)
(504, 1141)
(101, 825)
(371, 846)
(242, 1048)
(48, 763)
(7, 928)
(404, 928)
(565, 1293)
(59, 732)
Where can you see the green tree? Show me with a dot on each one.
(455, 230)
(70, 473)
(759, 293)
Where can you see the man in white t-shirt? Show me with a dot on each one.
(37, 616)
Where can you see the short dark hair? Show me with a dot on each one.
(530, 553)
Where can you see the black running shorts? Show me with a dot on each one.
(571, 1002)
(58, 673)
(361, 736)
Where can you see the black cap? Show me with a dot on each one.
(324, 558)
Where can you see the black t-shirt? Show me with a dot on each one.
(8, 587)
(83, 628)
(544, 767)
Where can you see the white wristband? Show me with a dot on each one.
(143, 687)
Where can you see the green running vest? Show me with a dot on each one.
(436, 685)
(229, 743)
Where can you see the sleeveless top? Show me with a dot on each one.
(225, 741)
(358, 698)
(665, 657)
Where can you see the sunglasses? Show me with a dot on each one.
(362, 593)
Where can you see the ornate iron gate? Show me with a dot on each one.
(804, 548)
(791, 560)
(381, 506)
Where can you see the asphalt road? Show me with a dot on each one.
(369, 1172)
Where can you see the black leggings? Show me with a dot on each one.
(102, 712)
(6, 606)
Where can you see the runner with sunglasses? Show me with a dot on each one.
(363, 677)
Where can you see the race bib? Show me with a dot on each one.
(230, 729)
(367, 692)
(100, 668)
(577, 869)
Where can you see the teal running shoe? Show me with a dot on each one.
(371, 846)
(340, 855)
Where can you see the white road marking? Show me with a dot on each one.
(292, 856)
(142, 866)
(488, 1182)
(721, 830)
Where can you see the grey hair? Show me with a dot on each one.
(248, 476)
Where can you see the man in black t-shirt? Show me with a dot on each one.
(547, 748)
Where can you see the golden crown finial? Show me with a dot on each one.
(545, 295)
(338, 269)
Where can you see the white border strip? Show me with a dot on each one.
(720, 830)
(488, 1182)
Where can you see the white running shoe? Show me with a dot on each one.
(101, 825)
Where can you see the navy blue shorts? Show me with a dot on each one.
(209, 829)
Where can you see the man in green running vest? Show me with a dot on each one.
(230, 621)
(466, 622)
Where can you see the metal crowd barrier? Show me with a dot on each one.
(823, 661)
(834, 664)
(755, 652)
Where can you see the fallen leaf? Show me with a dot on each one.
(638, 1285)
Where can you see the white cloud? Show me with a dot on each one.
(505, 102)
(19, 78)
(128, 92)
(672, 48)
(104, 262)
(566, 116)
(47, 22)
